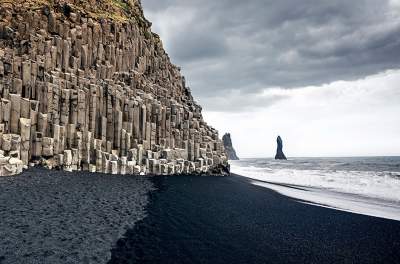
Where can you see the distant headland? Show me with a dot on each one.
(279, 149)
(230, 151)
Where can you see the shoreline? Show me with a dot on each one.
(230, 220)
(51, 217)
(346, 202)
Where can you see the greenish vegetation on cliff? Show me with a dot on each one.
(118, 10)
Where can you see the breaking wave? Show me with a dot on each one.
(362, 185)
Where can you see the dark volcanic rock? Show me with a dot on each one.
(279, 152)
(230, 151)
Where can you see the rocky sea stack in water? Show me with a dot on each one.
(279, 149)
(230, 151)
(86, 85)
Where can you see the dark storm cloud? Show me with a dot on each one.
(248, 46)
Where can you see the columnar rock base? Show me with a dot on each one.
(86, 93)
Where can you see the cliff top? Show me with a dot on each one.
(118, 10)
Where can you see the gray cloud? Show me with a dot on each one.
(236, 46)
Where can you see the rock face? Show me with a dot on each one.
(279, 152)
(230, 151)
(82, 89)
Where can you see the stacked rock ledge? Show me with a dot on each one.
(82, 92)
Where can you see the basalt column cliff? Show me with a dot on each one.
(86, 85)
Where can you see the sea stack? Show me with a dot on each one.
(86, 85)
(230, 151)
(279, 152)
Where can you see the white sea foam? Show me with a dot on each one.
(375, 193)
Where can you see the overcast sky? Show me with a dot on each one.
(322, 74)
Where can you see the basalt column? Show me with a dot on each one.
(93, 89)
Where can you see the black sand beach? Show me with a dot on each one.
(58, 217)
(228, 220)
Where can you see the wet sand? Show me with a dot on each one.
(229, 220)
(59, 217)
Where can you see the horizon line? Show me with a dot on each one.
(346, 156)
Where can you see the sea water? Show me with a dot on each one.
(364, 185)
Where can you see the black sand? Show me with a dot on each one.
(228, 220)
(57, 217)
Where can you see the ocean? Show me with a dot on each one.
(364, 185)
